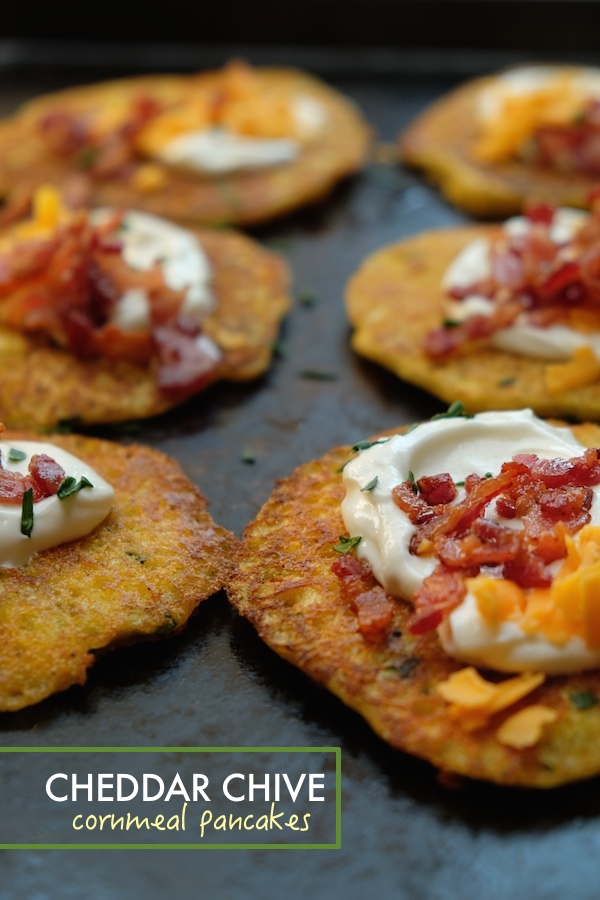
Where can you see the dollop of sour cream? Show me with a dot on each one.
(149, 240)
(54, 521)
(473, 264)
(217, 151)
(459, 446)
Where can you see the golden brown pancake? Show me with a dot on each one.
(284, 585)
(141, 573)
(244, 197)
(440, 142)
(395, 299)
(41, 385)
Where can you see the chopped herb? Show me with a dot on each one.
(456, 410)
(488, 475)
(319, 375)
(450, 323)
(283, 245)
(140, 559)
(70, 486)
(459, 483)
(15, 455)
(364, 445)
(371, 484)
(124, 226)
(279, 350)
(347, 543)
(412, 427)
(583, 699)
(506, 382)
(413, 483)
(248, 457)
(408, 666)
(307, 298)
(27, 513)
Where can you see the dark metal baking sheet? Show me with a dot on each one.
(404, 835)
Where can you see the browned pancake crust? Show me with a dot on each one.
(41, 385)
(440, 142)
(395, 299)
(285, 586)
(243, 197)
(139, 574)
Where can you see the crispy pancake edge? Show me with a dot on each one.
(395, 298)
(139, 574)
(439, 142)
(284, 585)
(41, 385)
(237, 198)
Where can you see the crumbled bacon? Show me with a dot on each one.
(435, 489)
(550, 498)
(368, 599)
(44, 478)
(534, 278)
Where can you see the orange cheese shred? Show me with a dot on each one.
(524, 728)
(473, 700)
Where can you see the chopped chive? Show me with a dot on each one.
(307, 298)
(459, 483)
(319, 375)
(412, 427)
(583, 699)
(15, 455)
(488, 475)
(456, 410)
(364, 445)
(279, 350)
(27, 513)
(70, 486)
(413, 483)
(371, 484)
(247, 456)
(347, 543)
(450, 323)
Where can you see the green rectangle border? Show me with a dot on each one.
(338, 798)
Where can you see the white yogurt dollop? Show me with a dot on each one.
(473, 264)
(54, 521)
(217, 151)
(459, 446)
(148, 240)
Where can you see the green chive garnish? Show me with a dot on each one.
(27, 513)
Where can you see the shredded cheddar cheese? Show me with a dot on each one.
(473, 701)
(519, 115)
(570, 607)
(47, 213)
(524, 728)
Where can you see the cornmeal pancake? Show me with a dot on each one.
(41, 384)
(139, 574)
(143, 180)
(441, 141)
(285, 586)
(395, 299)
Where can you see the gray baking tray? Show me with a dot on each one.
(403, 833)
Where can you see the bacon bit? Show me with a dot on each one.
(375, 611)
(436, 489)
(440, 593)
(578, 372)
(551, 497)
(44, 478)
(366, 597)
(535, 278)
(524, 728)
(183, 364)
